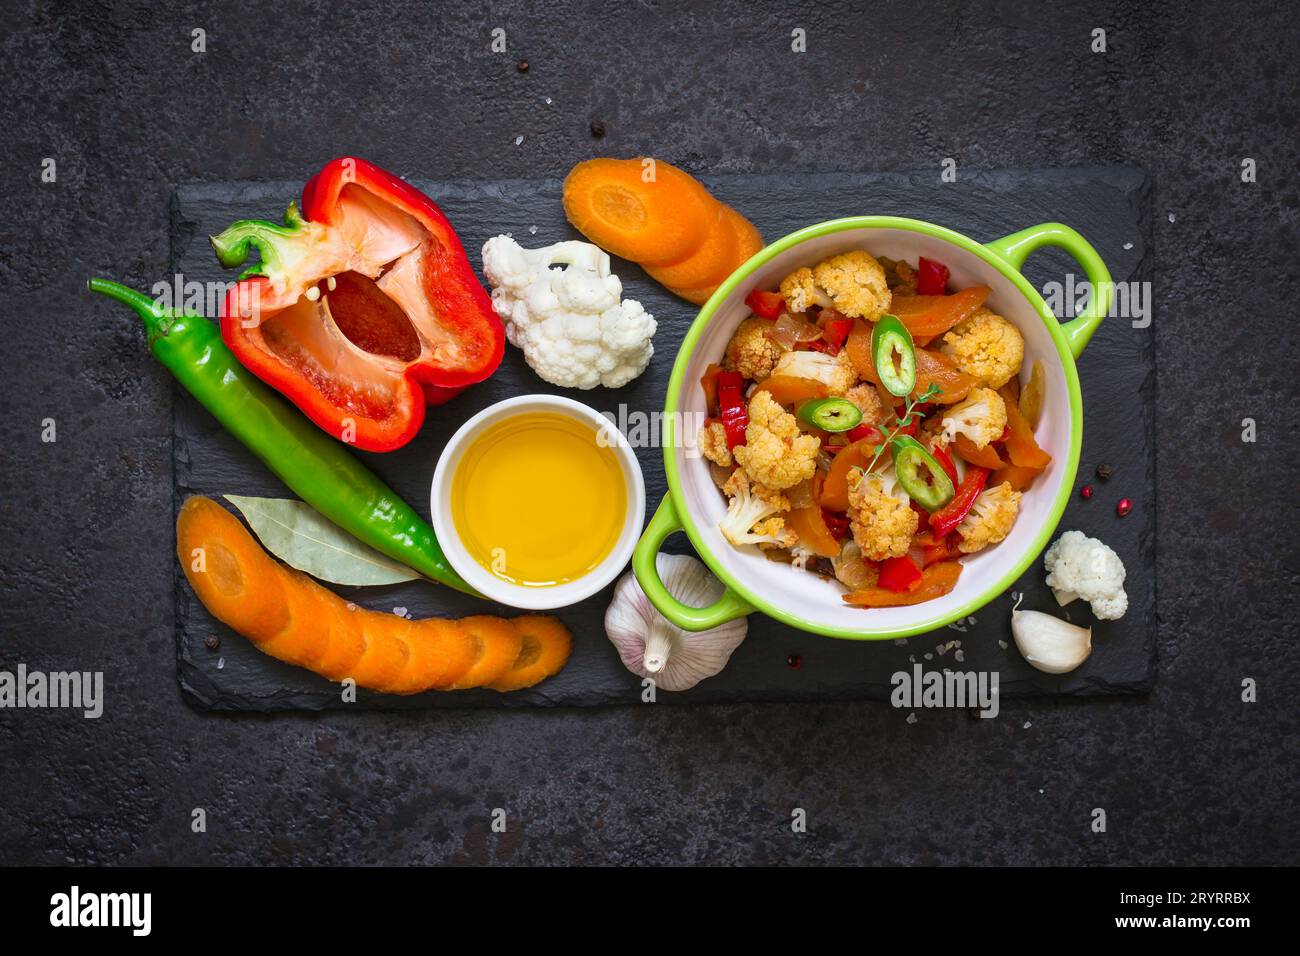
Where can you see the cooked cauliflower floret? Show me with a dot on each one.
(852, 282)
(852, 570)
(987, 347)
(776, 453)
(836, 372)
(712, 443)
(1082, 567)
(882, 524)
(754, 514)
(869, 403)
(982, 417)
(751, 352)
(989, 519)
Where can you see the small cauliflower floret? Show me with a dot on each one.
(987, 347)
(882, 524)
(989, 519)
(852, 570)
(1082, 567)
(982, 418)
(776, 454)
(852, 282)
(867, 399)
(712, 443)
(836, 372)
(572, 323)
(751, 352)
(754, 514)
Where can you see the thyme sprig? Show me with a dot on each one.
(909, 409)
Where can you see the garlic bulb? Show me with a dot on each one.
(653, 647)
(1048, 643)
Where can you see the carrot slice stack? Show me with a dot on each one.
(653, 213)
(291, 617)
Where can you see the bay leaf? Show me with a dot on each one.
(303, 538)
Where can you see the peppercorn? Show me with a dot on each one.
(212, 642)
(1086, 492)
(1104, 472)
(1124, 507)
(522, 66)
(794, 662)
(597, 128)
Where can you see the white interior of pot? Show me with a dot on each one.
(818, 602)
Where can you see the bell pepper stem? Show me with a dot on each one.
(232, 244)
(157, 321)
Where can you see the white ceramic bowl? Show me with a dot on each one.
(536, 598)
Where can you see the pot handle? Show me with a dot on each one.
(1017, 247)
(664, 523)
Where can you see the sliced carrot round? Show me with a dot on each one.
(496, 648)
(545, 648)
(644, 210)
(708, 265)
(304, 639)
(386, 656)
(440, 653)
(234, 578)
(748, 242)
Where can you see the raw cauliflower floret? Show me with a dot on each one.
(987, 347)
(754, 514)
(868, 401)
(989, 519)
(776, 454)
(982, 418)
(836, 372)
(751, 352)
(1082, 567)
(882, 524)
(852, 282)
(712, 443)
(572, 323)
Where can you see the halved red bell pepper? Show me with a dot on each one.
(363, 309)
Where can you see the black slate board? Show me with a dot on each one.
(1110, 206)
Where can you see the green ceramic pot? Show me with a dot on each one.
(694, 505)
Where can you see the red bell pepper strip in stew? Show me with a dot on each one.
(945, 461)
(946, 519)
(768, 305)
(899, 574)
(731, 407)
(931, 277)
(364, 308)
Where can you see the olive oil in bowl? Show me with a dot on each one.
(539, 499)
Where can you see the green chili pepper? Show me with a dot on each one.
(316, 467)
(894, 355)
(920, 473)
(830, 414)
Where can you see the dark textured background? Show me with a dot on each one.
(1188, 775)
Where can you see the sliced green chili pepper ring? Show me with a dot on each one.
(920, 474)
(894, 355)
(830, 414)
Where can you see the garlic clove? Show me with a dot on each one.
(1048, 643)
